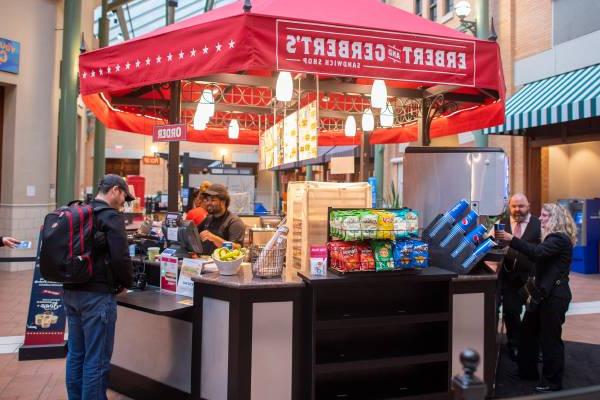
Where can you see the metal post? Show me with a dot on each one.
(100, 129)
(483, 30)
(309, 173)
(185, 169)
(365, 168)
(67, 112)
(276, 191)
(378, 173)
(174, 118)
(423, 138)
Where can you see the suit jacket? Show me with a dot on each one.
(552, 263)
(516, 265)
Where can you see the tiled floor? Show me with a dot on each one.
(44, 380)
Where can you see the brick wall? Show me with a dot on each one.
(533, 28)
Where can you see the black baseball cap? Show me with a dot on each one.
(217, 190)
(111, 180)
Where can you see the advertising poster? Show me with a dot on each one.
(190, 267)
(168, 274)
(9, 56)
(46, 318)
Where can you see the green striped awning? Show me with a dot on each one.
(561, 98)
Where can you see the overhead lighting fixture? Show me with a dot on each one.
(462, 9)
(368, 122)
(387, 116)
(378, 94)
(207, 103)
(233, 132)
(154, 149)
(284, 88)
(350, 126)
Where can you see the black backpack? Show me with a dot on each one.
(67, 243)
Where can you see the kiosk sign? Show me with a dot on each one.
(339, 50)
(9, 56)
(169, 133)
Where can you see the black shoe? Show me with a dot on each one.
(522, 377)
(547, 388)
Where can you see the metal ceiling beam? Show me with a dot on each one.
(122, 22)
(114, 4)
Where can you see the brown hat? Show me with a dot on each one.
(217, 190)
(111, 180)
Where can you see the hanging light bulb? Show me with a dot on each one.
(350, 126)
(368, 122)
(154, 149)
(387, 116)
(233, 132)
(378, 94)
(284, 89)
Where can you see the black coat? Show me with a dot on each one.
(552, 263)
(516, 265)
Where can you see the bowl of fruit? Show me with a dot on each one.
(228, 261)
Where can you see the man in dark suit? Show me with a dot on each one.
(516, 267)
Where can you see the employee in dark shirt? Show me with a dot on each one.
(221, 225)
(91, 306)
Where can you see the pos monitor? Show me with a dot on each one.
(188, 239)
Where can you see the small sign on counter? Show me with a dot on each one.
(190, 267)
(168, 273)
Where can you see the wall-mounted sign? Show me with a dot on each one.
(169, 133)
(9, 56)
(150, 160)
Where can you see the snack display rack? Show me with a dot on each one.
(362, 238)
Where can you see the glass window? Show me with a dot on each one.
(433, 10)
(419, 7)
(449, 6)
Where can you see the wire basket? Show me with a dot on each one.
(267, 263)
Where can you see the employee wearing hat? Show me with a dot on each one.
(221, 225)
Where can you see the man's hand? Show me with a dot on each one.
(207, 236)
(10, 242)
(503, 236)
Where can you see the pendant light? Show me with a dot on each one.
(200, 118)
(284, 89)
(207, 103)
(378, 94)
(368, 122)
(233, 132)
(350, 126)
(387, 116)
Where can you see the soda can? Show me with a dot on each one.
(132, 250)
(228, 245)
(478, 254)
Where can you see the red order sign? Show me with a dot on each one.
(169, 133)
(336, 50)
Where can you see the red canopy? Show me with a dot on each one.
(362, 39)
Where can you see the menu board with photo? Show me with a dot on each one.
(308, 131)
(290, 138)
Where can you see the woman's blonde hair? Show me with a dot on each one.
(560, 221)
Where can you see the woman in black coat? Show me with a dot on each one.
(549, 296)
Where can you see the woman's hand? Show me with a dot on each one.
(503, 236)
(10, 242)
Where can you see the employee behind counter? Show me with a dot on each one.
(220, 225)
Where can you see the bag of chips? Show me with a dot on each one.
(400, 224)
(382, 252)
(368, 224)
(420, 254)
(367, 261)
(385, 225)
(412, 222)
(402, 254)
(350, 224)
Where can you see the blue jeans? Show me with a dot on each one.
(92, 318)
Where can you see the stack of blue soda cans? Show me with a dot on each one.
(456, 233)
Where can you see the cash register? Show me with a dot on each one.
(182, 236)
